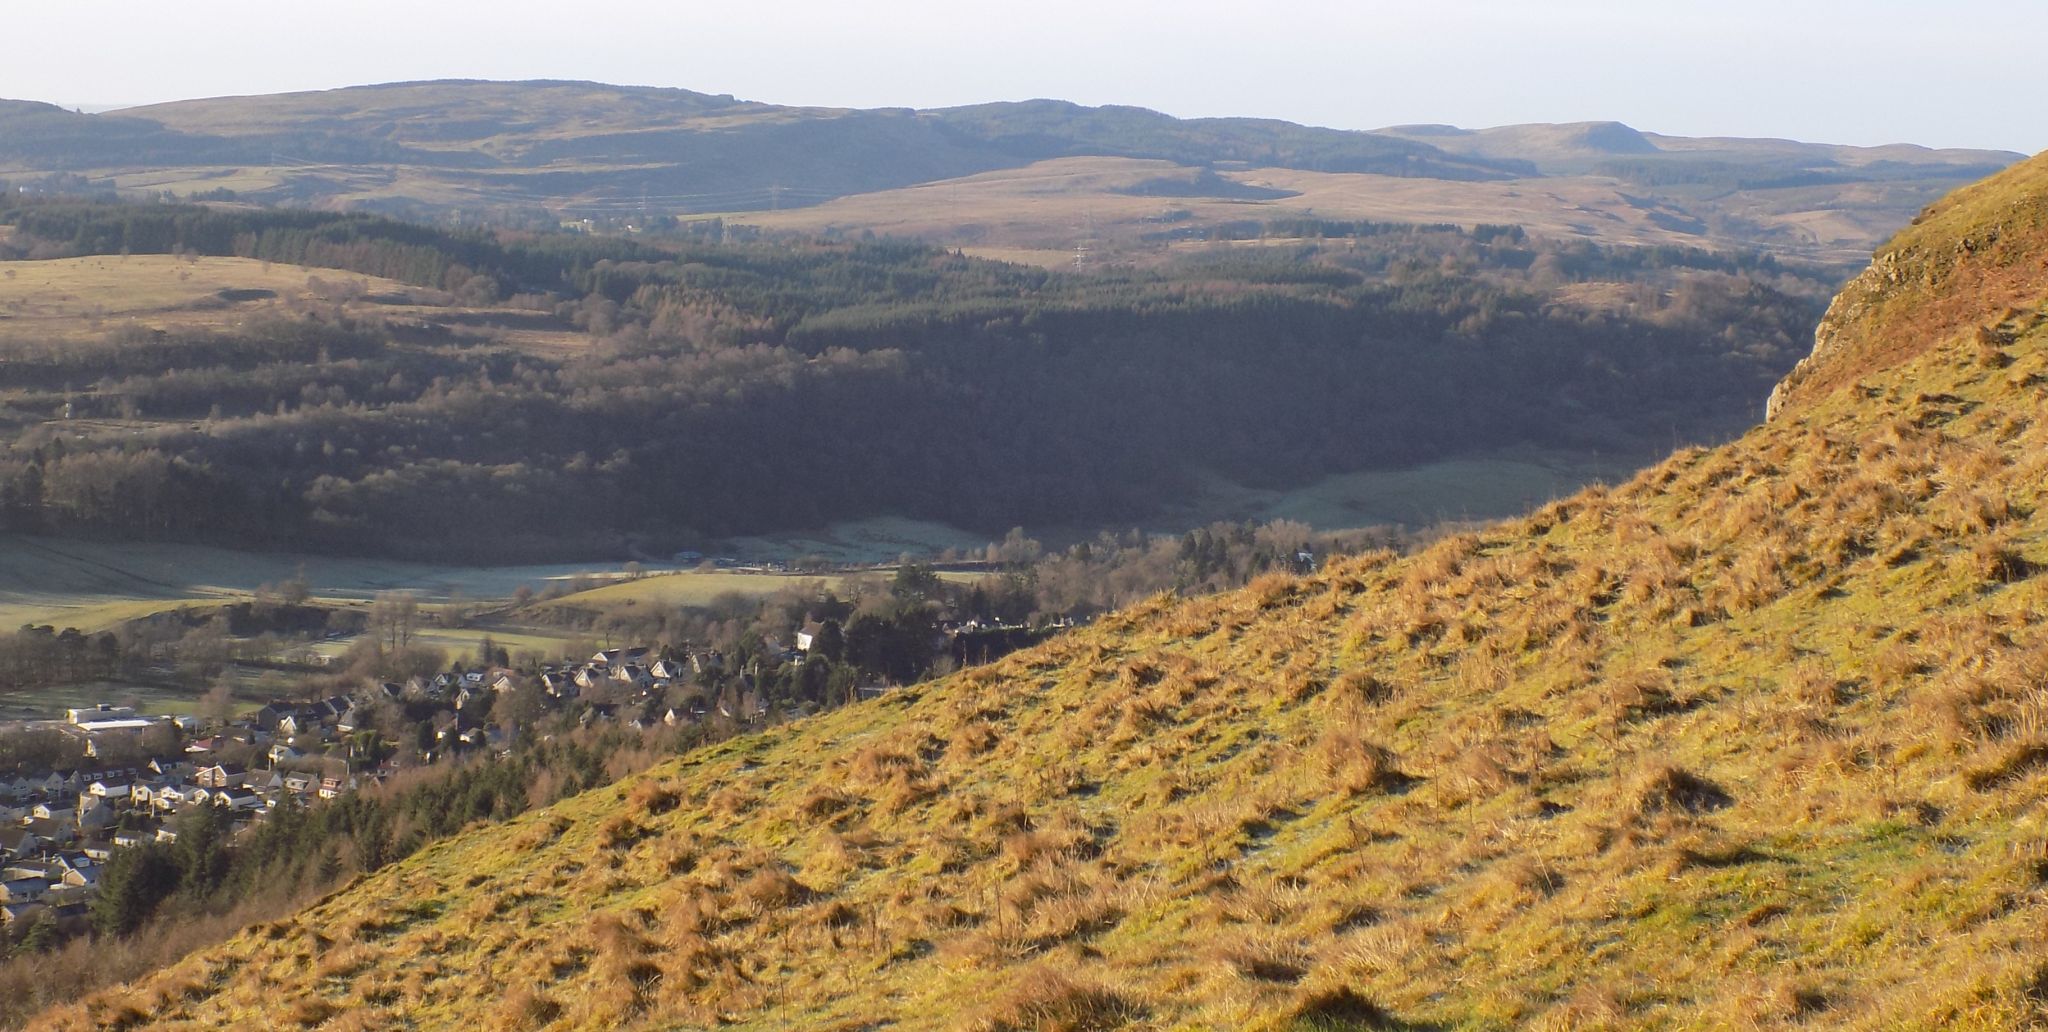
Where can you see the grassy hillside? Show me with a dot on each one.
(1755, 739)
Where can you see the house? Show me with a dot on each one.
(281, 754)
(56, 832)
(129, 838)
(669, 670)
(170, 797)
(175, 769)
(98, 850)
(96, 816)
(559, 685)
(618, 657)
(808, 634)
(590, 676)
(111, 790)
(707, 662)
(347, 723)
(24, 890)
(298, 782)
(12, 912)
(506, 681)
(19, 842)
(633, 674)
(222, 775)
(167, 834)
(238, 799)
(87, 878)
(331, 786)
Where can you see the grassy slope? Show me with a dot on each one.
(1753, 740)
(1977, 252)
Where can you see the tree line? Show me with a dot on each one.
(764, 386)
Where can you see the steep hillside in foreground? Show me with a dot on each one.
(1757, 739)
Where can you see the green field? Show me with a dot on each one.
(148, 700)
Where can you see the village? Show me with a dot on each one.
(57, 827)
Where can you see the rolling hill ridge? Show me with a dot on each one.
(1753, 740)
(541, 152)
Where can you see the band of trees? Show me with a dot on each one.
(753, 387)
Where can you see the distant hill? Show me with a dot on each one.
(1754, 740)
(540, 152)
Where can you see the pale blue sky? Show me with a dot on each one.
(1869, 71)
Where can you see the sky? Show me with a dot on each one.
(1863, 72)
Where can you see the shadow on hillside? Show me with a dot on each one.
(1344, 1010)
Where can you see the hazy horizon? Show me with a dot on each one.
(1868, 73)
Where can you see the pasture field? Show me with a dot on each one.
(73, 297)
(84, 298)
(692, 588)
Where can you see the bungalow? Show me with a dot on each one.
(97, 849)
(87, 878)
(669, 670)
(589, 677)
(633, 674)
(24, 890)
(29, 869)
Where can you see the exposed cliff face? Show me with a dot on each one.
(1976, 262)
